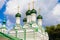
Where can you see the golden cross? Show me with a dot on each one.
(28, 6)
(33, 3)
(18, 8)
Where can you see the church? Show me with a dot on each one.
(31, 30)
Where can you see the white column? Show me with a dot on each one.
(40, 22)
(17, 20)
(28, 18)
(33, 16)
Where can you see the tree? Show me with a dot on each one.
(53, 32)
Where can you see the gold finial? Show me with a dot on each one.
(18, 8)
(33, 3)
(28, 6)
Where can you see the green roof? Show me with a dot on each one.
(33, 11)
(4, 21)
(8, 36)
(39, 17)
(25, 20)
(18, 15)
(28, 12)
(3, 28)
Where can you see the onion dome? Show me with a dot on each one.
(4, 21)
(33, 11)
(28, 12)
(39, 17)
(18, 15)
(25, 20)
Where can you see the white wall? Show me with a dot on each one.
(33, 16)
(17, 20)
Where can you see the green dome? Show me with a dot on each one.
(28, 12)
(33, 11)
(4, 22)
(25, 20)
(39, 17)
(18, 15)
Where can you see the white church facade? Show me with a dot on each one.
(32, 28)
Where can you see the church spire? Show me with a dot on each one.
(29, 11)
(28, 6)
(18, 9)
(39, 16)
(18, 13)
(33, 3)
(39, 11)
(33, 13)
(33, 10)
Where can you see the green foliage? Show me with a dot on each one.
(53, 31)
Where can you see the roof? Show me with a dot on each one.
(4, 21)
(28, 12)
(39, 17)
(33, 11)
(18, 15)
(8, 36)
(25, 20)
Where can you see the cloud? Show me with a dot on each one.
(9, 24)
(53, 17)
(46, 7)
(56, 10)
(13, 4)
(2, 2)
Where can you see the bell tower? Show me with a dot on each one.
(28, 14)
(33, 12)
(39, 18)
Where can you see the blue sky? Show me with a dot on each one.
(49, 11)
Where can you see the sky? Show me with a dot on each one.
(49, 9)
